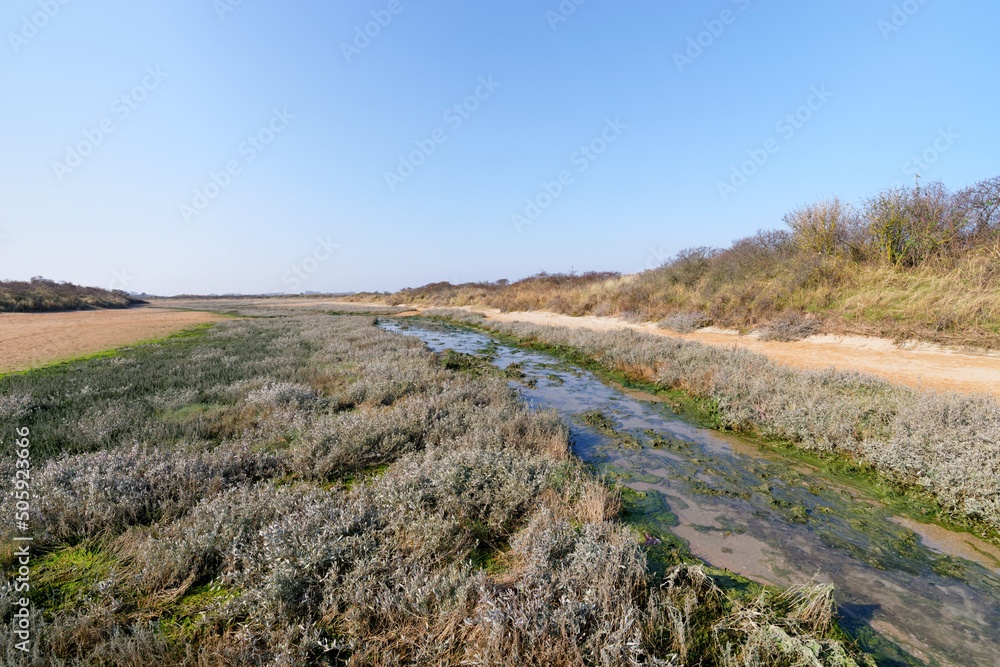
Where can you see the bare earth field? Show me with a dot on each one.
(28, 340)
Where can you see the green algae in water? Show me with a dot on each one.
(648, 513)
(658, 440)
(600, 422)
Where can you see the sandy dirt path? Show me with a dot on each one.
(28, 340)
(921, 365)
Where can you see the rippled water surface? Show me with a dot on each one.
(747, 509)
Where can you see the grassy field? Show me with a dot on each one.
(919, 263)
(304, 488)
(41, 295)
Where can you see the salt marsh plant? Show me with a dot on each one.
(309, 489)
(945, 444)
(684, 322)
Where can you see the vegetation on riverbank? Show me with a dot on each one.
(920, 263)
(946, 446)
(308, 489)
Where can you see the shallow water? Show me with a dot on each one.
(745, 508)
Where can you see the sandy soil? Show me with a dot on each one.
(953, 543)
(921, 365)
(28, 340)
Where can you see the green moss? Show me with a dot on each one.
(371, 472)
(63, 578)
(490, 550)
(181, 620)
(346, 482)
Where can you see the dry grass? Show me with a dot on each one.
(928, 271)
(947, 302)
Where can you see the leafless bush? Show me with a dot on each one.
(983, 206)
(824, 227)
(907, 227)
(690, 264)
(41, 294)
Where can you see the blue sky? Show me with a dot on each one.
(221, 146)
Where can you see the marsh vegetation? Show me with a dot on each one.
(303, 488)
(775, 513)
(943, 445)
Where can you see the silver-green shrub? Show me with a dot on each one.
(945, 443)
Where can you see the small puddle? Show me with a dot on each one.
(934, 592)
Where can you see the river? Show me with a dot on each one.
(765, 516)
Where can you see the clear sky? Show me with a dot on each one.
(262, 146)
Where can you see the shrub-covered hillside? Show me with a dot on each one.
(921, 262)
(47, 295)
